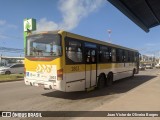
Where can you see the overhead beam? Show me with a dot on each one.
(125, 10)
(152, 11)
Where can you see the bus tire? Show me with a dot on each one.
(101, 81)
(133, 73)
(109, 81)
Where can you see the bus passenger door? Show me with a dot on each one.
(90, 67)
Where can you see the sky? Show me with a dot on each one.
(90, 18)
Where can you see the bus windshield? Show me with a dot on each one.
(44, 45)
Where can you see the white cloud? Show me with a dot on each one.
(73, 11)
(2, 22)
(6, 25)
(12, 26)
(44, 25)
(3, 36)
(151, 44)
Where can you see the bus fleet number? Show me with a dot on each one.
(75, 68)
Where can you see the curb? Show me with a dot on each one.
(2, 81)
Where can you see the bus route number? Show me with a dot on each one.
(75, 68)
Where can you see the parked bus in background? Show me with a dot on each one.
(69, 62)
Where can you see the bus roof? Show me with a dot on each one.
(94, 40)
(76, 36)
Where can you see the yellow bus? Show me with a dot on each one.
(69, 62)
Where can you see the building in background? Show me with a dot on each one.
(4, 60)
(144, 59)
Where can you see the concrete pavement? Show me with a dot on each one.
(139, 93)
(145, 97)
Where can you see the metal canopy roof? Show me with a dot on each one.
(144, 13)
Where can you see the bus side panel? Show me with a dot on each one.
(123, 72)
(104, 68)
(74, 74)
(75, 77)
(119, 70)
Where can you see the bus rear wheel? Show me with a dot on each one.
(101, 81)
(109, 81)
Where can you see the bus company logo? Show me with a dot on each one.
(43, 68)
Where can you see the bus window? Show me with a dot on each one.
(113, 55)
(130, 56)
(136, 57)
(119, 55)
(44, 45)
(93, 56)
(125, 56)
(90, 56)
(74, 51)
(104, 54)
